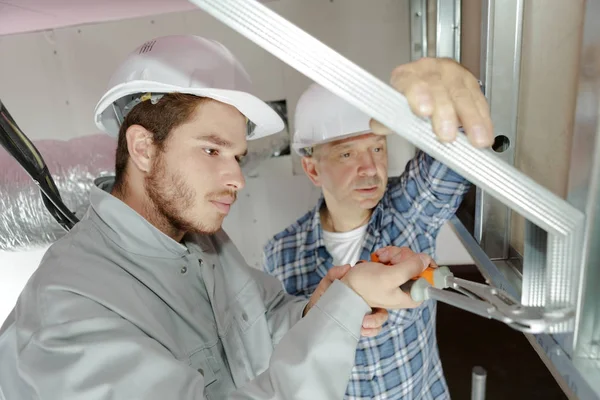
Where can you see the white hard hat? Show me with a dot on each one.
(185, 64)
(322, 117)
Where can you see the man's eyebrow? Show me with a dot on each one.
(341, 146)
(215, 139)
(349, 144)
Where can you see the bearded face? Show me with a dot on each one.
(195, 175)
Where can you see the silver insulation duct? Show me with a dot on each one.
(24, 220)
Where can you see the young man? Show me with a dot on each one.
(359, 213)
(146, 297)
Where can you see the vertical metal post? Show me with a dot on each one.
(502, 23)
(448, 29)
(457, 29)
(418, 29)
(584, 192)
(587, 332)
(478, 380)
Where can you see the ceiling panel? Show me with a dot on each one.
(19, 16)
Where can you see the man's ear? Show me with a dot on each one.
(310, 166)
(140, 146)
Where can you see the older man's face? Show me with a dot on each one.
(351, 171)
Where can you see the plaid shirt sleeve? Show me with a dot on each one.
(428, 193)
(279, 259)
(268, 259)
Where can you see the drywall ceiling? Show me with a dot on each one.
(19, 16)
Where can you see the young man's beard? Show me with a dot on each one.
(169, 199)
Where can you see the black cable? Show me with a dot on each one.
(26, 154)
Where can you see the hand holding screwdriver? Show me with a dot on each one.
(392, 255)
(380, 285)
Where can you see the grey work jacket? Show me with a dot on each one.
(114, 311)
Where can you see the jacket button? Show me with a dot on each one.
(183, 269)
(245, 316)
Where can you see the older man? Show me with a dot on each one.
(361, 212)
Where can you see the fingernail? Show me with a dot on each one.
(425, 259)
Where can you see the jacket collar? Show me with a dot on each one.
(126, 227)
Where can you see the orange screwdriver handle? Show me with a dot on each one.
(427, 273)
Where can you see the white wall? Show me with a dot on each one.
(50, 82)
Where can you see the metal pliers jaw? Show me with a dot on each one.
(486, 301)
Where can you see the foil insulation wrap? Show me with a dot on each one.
(74, 164)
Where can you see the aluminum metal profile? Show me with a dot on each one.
(584, 190)
(576, 375)
(457, 30)
(502, 35)
(325, 66)
(447, 40)
(418, 29)
(534, 289)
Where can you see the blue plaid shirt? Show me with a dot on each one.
(402, 362)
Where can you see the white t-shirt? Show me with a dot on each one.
(345, 247)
